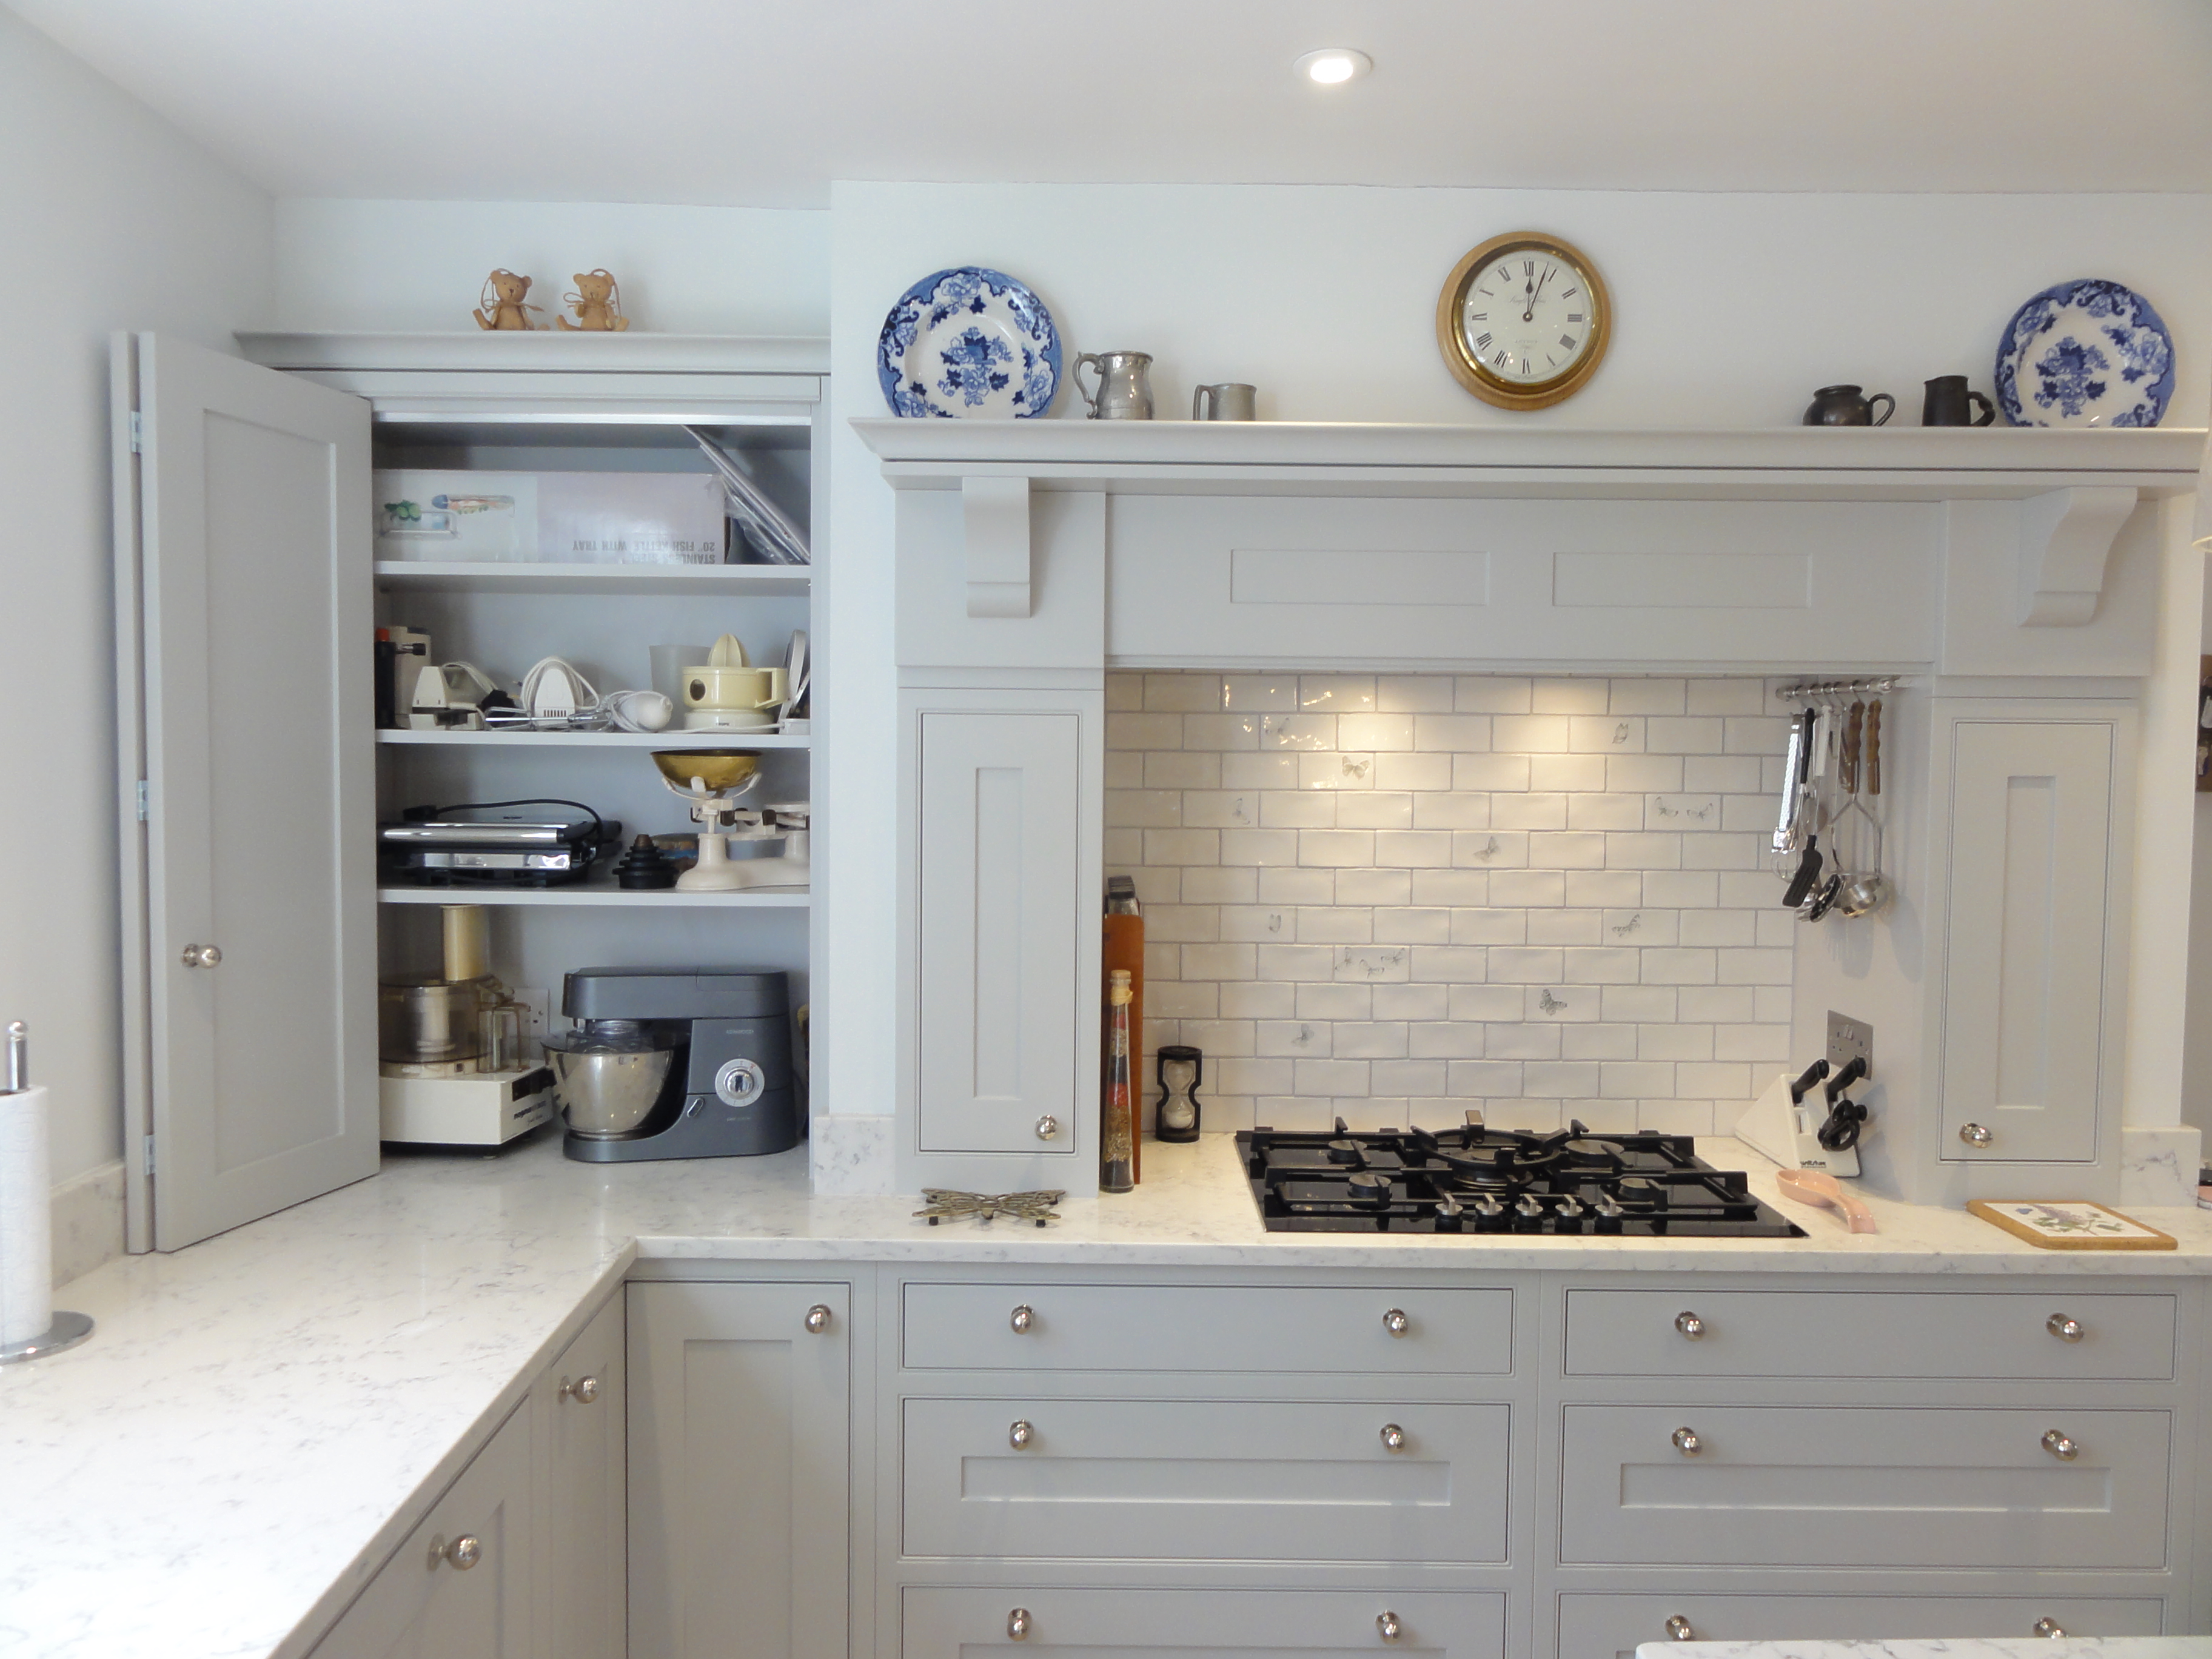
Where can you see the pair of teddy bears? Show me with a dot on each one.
(597, 303)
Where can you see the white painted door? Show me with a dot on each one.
(254, 726)
(580, 1404)
(999, 929)
(739, 1437)
(2025, 1013)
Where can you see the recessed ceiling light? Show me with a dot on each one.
(1333, 65)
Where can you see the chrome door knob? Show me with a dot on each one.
(203, 955)
(1017, 1624)
(1023, 1318)
(817, 1319)
(1690, 1325)
(1020, 1436)
(1387, 1625)
(1048, 1127)
(1395, 1322)
(1678, 1629)
(1394, 1437)
(2045, 1627)
(2065, 1329)
(1686, 1443)
(463, 1552)
(1976, 1135)
(2060, 1446)
(583, 1390)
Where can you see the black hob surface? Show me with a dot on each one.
(1474, 1181)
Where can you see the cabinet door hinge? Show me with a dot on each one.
(137, 435)
(142, 800)
(149, 1154)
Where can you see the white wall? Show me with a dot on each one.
(1731, 309)
(421, 266)
(116, 221)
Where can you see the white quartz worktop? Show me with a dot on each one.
(242, 1440)
(1955, 1647)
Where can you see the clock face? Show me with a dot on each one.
(1523, 321)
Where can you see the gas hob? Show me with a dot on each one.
(1473, 1180)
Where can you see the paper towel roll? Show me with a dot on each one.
(27, 1232)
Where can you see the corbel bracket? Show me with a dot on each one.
(997, 512)
(2065, 539)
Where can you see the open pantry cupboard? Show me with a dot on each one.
(253, 774)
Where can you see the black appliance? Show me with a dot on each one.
(1476, 1179)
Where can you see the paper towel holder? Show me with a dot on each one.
(68, 1329)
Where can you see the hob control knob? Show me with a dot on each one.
(1529, 1205)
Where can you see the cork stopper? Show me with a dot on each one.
(1119, 993)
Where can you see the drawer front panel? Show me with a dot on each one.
(940, 1623)
(1869, 1334)
(1611, 1626)
(1862, 1487)
(1164, 1480)
(1173, 1327)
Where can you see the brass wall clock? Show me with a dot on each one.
(1525, 320)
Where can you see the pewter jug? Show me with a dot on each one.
(1124, 392)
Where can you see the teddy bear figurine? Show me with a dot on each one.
(597, 303)
(500, 304)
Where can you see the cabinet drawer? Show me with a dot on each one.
(1860, 1486)
(1106, 1624)
(1176, 1328)
(1611, 1626)
(1869, 1333)
(1217, 1479)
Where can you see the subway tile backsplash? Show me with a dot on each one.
(1386, 897)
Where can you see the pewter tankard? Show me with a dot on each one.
(1124, 393)
(1232, 400)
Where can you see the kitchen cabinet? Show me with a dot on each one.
(579, 1409)
(460, 1586)
(253, 775)
(1611, 1626)
(740, 1433)
(1125, 1623)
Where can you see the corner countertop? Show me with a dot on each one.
(257, 1418)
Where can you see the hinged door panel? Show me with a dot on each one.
(2025, 1005)
(998, 901)
(258, 921)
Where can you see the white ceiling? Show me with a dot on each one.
(763, 102)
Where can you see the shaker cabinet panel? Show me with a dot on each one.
(1187, 1624)
(581, 1404)
(460, 1587)
(1000, 923)
(738, 1443)
(2025, 1000)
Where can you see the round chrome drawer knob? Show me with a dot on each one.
(1395, 1322)
(2060, 1446)
(1690, 1325)
(1017, 1624)
(464, 1552)
(2065, 1329)
(203, 955)
(2046, 1627)
(1686, 1443)
(583, 1390)
(817, 1318)
(1387, 1627)
(1394, 1437)
(1678, 1629)
(1048, 1127)
(1976, 1135)
(1023, 1318)
(1021, 1434)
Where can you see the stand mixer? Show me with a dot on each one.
(714, 781)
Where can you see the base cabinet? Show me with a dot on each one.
(579, 1405)
(1611, 1626)
(460, 1587)
(738, 1435)
(1109, 1624)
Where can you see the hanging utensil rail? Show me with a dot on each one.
(1822, 690)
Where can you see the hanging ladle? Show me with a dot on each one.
(1863, 891)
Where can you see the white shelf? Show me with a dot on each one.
(498, 739)
(672, 357)
(600, 892)
(748, 580)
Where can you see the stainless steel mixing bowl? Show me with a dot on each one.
(605, 1088)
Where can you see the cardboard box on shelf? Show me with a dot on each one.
(551, 518)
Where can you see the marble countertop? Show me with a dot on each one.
(217, 1472)
(1956, 1647)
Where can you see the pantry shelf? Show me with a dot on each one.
(750, 581)
(601, 893)
(496, 739)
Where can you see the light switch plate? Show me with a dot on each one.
(1849, 1039)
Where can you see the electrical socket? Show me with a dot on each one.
(536, 1014)
(1849, 1039)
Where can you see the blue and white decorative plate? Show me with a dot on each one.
(968, 344)
(2090, 353)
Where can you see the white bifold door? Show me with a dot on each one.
(244, 664)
